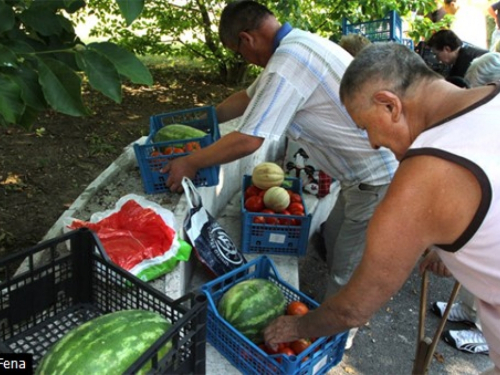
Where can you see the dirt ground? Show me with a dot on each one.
(43, 170)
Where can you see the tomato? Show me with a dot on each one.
(192, 147)
(155, 153)
(298, 346)
(259, 220)
(269, 350)
(269, 219)
(294, 197)
(254, 204)
(262, 192)
(297, 308)
(295, 206)
(172, 150)
(285, 221)
(251, 191)
(285, 351)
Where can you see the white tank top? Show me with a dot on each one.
(471, 139)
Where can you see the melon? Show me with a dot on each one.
(109, 344)
(276, 198)
(267, 174)
(176, 132)
(251, 305)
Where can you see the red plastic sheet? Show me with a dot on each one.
(132, 234)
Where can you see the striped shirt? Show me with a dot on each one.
(297, 94)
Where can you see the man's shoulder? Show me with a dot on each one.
(472, 50)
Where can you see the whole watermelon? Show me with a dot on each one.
(109, 344)
(251, 305)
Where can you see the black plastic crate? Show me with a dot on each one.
(56, 290)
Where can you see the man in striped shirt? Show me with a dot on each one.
(297, 95)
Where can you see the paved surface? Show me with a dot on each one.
(386, 345)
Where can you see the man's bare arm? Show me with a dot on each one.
(430, 201)
(232, 146)
(234, 106)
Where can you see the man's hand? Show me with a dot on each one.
(177, 169)
(282, 329)
(433, 263)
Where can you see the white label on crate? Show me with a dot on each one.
(318, 366)
(277, 238)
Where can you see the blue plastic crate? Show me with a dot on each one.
(321, 356)
(150, 163)
(409, 43)
(389, 28)
(274, 239)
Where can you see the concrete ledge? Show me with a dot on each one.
(222, 201)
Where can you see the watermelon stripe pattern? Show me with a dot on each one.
(251, 305)
(108, 344)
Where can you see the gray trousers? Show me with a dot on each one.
(344, 232)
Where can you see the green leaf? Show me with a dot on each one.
(42, 21)
(101, 73)
(7, 57)
(126, 63)
(7, 17)
(72, 6)
(28, 118)
(61, 87)
(11, 105)
(18, 46)
(31, 92)
(130, 9)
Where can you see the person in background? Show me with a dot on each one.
(494, 11)
(443, 197)
(483, 70)
(297, 94)
(450, 50)
(353, 43)
(448, 7)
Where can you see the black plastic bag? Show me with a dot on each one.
(213, 246)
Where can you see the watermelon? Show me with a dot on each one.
(109, 344)
(177, 132)
(251, 305)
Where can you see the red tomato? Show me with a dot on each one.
(254, 204)
(285, 351)
(269, 219)
(251, 191)
(297, 308)
(294, 197)
(261, 193)
(295, 206)
(268, 350)
(285, 221)
(300, 345)
(259, 220)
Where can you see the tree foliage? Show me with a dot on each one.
(43, 62)
(190, 27)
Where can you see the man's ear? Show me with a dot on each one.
(390, 102)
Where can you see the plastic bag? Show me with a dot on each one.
(139, 236)
(212, 245)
